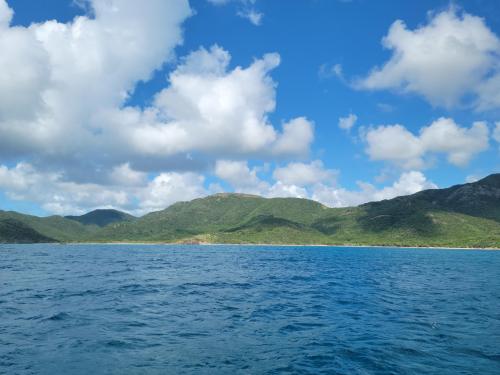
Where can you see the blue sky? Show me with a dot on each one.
(138, 108)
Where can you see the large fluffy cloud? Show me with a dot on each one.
(395, 144)
(58, 77)
(453, 56)
(64, 90)
(64, 87)
(219, 112)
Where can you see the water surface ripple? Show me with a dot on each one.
(136, 309)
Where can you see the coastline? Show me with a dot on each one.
(280, 245)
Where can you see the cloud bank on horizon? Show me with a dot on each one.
(72, 140)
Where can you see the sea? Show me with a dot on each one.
(189, 309)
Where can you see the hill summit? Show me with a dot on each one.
(102, 217)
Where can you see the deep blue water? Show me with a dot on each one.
(133, 309)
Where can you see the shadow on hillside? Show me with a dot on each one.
(328, 225)
(396, 214)
(262, 222)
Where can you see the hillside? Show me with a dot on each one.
(13, 231)
(102, 217)
(465, 215)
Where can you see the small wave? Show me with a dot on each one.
(59, 317)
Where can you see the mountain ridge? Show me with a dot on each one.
(102, 217)
(466, 215)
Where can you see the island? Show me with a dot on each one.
(463, 216)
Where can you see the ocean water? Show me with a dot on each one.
(138, 309)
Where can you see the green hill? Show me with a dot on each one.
(13, 231)
(102, 217)
(465, 215)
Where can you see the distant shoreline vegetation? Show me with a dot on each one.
(244, 244)
(462, 216)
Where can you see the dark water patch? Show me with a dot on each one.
(58, 317)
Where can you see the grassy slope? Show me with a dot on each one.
(55, 227)
(249, 219)
(14, 231)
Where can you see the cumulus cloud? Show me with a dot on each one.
(124, 175)
(64, 89)
(5, 14)
(305, 174)
(134, 192)
(346, 123)
(58, 77)
(224, 113)
(168, 188)
(314, 181)
(395, 144)
(206, 107)
(53, 193)
(240, 176)
(136, 195)
(408, 183)
(453, 56)
(295, 139)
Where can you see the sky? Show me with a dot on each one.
(136, 105)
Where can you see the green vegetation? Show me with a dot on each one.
(461, 216)
(13, 231)
(102, 217)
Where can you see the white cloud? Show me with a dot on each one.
(64, 88)
(124, 175)
(295, 139)
(168, 188)
(252, 15)
(136, 195)
(329, 71)
(281, 190)
(460, 144)
(313, 181)
(496, 132)
(224, 113)
(54, 194)
(57, 77)
(395, 144)
(131, 191)
(346, 123)
(246, 9)
(408, 183)
(452, 56)
(304, 174)
(240, 176)
(5, 14)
